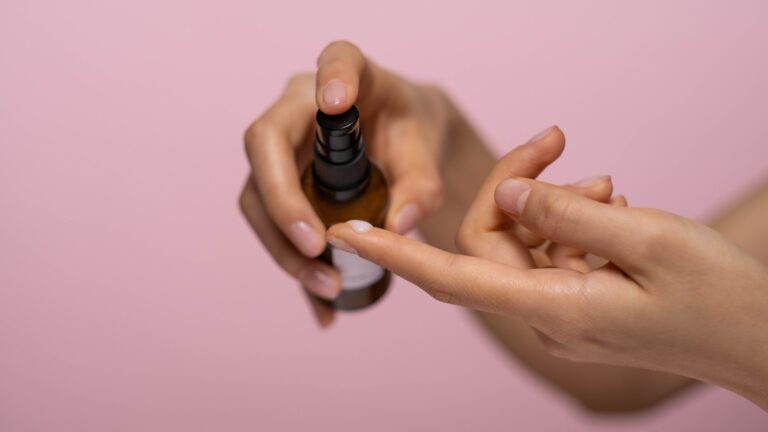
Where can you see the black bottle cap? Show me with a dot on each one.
(340, 165)
(339, 131)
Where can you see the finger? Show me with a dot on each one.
(620, 200)
(271, 143)
(622, 235)
(485, 231)
(324, 315)
(565, 256)
(458, 279)
(597, 188)
(316, 276)
(345, 77)
(412, 167)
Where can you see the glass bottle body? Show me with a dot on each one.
(363, 283)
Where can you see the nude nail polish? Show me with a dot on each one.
(359, 226)
(407, 218)
(319, 283)
(591, 181)
(306, 239)
(540, 135)
(335, 93)
(511, 196)
(343, 185)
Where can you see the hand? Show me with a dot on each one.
(676, 296)
(404, 125)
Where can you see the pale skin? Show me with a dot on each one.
(671, 299)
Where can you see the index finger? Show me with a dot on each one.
(459, 279)
(485, 230)
(346, 77)
(527, 160)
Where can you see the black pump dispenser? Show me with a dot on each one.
(340, 166)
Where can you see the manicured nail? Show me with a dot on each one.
(511, 196)
(592, 181)
(360, 226)
(341, 244)
(306, 239)
(407, 218)
(319, 283)
(335, 93)
(540, 135)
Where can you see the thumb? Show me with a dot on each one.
(459, 279)
(618, 234)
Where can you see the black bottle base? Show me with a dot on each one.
(352, 300)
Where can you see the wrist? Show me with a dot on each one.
(741, 363)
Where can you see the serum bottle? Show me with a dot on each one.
(342, 184)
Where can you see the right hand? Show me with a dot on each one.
(676, 296)
(404, 124)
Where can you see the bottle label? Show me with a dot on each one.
(356, 272)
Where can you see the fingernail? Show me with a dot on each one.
(341, 244)
(306, 239)
(335, 93)
(319, 283)
(360, 226)
(407, 218)
(591, 181)
(511, 195)
(540, 135)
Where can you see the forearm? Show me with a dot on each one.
(745, 223)
(599, 387)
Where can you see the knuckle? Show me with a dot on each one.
(554, 213)
(659, 231)
(256, 133)
(439, 289)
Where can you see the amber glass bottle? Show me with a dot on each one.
(342, 184)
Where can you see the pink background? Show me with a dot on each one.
(133, 297)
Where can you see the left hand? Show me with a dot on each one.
(406, 126)
(676, 296)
